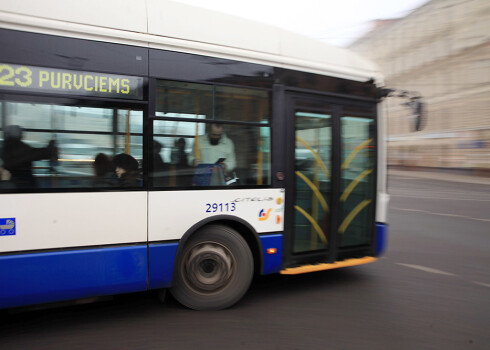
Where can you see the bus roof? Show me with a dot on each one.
(168, 25)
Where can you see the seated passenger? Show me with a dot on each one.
(180, 163)
(160, 171)
(178, 155)
(126, 170)
(105, 175)
(213, 147)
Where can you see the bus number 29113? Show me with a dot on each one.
(220, 207)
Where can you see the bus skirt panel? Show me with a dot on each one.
(161, 267)
(35, 278)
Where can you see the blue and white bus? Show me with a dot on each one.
(154, 145)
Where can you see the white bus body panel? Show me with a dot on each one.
(172, 213)
(63, 220)
(168, 25)
(127, 15)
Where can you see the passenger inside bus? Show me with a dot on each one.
(18, 156)
(160, 168)
(215, 145)
(178, 155)
(127, 170)
(179, 163)
(105, 175)
(214, 157)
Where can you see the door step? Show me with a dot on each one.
(320, 267)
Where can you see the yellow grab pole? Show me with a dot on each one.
(197, 149)
(127, 148)
(348, 219)
(353, 184)
(317, 228)
(315, 155)
(353, 154)
(315, 190)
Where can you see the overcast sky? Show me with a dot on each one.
(337, 22)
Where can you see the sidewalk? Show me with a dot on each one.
(440, 175)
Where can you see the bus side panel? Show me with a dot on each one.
(172, 213)
(47, 277)
(70, 220)
(161, 267)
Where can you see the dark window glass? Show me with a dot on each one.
(184, 100)
(241, 104)
(187, 151)
(53, 146)
(184, 154)
(188, 100)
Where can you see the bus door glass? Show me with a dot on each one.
(358, 163)
(312, 178)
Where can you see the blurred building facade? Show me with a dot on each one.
(441, 50)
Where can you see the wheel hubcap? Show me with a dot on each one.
(208, 267)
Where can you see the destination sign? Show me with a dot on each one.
(61, 81)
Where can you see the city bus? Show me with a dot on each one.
(152, 145)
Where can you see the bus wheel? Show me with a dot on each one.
(214, 269)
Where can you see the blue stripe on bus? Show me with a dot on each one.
(27, 279)
(162, 258)
(381, 238)
(272, 262)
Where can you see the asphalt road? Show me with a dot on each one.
(430, 291)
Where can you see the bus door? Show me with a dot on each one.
(330, 183)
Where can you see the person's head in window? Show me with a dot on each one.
(12, 132)
(157, 147)
(180, 143)
(103, 165)
(105, 175)
(178, 155)
(126, 166)
(215, 132)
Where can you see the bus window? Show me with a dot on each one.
(54, 146)
(182, 153)
(184, 100)
(188, 100)
(191, 150)
(244, 105)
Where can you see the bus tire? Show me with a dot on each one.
(214, 270)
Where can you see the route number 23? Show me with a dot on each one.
(22, 76)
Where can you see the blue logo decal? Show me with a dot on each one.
(7, 227)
